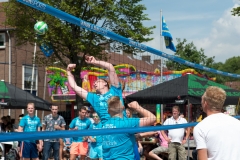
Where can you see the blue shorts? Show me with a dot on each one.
(29, 150)
(95, 151)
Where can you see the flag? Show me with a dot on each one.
(167, 36)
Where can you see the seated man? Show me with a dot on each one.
(120, 146)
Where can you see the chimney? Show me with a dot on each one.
(146, 58)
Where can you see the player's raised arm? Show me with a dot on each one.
(148, 118)
(111, 70)
(79, 91)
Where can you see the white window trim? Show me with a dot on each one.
(23, 76)
(4, 40)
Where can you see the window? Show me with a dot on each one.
(27, 79)
(2, 40)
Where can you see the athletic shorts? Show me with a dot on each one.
(79, 148)
(95, 152)
(29, 150)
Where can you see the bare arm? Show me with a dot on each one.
(202, 154)
(147, 134)
(165, 137)
(79, 91)
(187, 135)
(111, 70)
(148, 117)
(20, 129)
(43, 127)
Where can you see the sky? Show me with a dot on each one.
(207, 23)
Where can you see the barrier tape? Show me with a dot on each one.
(91, 27)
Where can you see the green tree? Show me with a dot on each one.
(189, 52)
(236, 11)
(70, 42)
(231, 65)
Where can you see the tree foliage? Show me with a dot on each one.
(70, 42)
(189, 52)
(123, 17)
(236, 11)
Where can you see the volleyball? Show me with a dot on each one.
(41, 27)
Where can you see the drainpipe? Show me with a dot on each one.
(9, 64)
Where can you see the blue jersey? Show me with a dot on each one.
(97, 138)
(80, 124)
(119, 146)
(99, 101)
(30, 124)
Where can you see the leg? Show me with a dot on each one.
(181, 152)
(194, 154)
(56, 146)
(61, 148)
(153, 155)
(46, 149)
(83, 149)
(172, 151)
(73, 156)
(74, 150)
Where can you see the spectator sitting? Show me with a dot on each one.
(163, 147)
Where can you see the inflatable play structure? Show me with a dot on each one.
(130, 78)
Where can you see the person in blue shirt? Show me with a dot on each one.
(95, 151)
(79, 145)
(99, 99)
(120, 146)
(30, 123)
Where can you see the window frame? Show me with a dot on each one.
(4, 40)
(35, 87)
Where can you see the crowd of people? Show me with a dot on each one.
(216, 135)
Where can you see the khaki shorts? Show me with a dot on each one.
(160, 150)
(79, 148)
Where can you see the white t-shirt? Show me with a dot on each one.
(220, 135)
(176, 135)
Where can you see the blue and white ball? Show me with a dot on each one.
(41, 27)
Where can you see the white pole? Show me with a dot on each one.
(33, 68)
(161, 48)
(44, 90)
(161, 45)
(9, 63)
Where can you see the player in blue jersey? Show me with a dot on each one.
(99, 99)
(30, 123)
(79, 145)
(120, 146)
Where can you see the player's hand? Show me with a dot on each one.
(184, 141)
(57, 126)
(133, 105)
(168, 140)
(71, 67)
(90, 59)
(76, 128)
